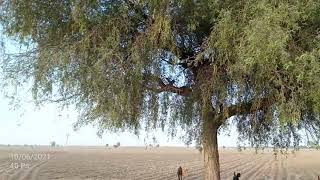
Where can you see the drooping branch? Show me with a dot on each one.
(61, 99)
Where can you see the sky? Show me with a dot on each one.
(31, 125)
(34, 126)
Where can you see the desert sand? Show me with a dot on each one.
(30, 163)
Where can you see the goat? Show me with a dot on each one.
(184, 172)
(236, 176)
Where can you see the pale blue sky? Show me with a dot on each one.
(30, 125)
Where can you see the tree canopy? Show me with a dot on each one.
(125, 63)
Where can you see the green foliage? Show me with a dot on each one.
(108, 56)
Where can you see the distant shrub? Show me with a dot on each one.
(239, 148)
(154, 140)
(199, 148)
(107, 145)
(53, 144)
(158, 145)
(313, 145)
(117, 145)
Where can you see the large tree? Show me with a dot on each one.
(178, 63)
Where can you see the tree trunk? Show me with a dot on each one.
(210, 150)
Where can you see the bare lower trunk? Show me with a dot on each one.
(210, 149)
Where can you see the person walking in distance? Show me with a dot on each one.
(179, 173)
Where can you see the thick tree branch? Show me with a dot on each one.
(162, 87)
(184, 91)
(249, 107)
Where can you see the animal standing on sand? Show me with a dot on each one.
(236, 176)
(179, 173)
(184, 172)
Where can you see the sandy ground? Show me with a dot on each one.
(43, 163)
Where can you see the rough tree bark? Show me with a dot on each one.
(210, 149)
